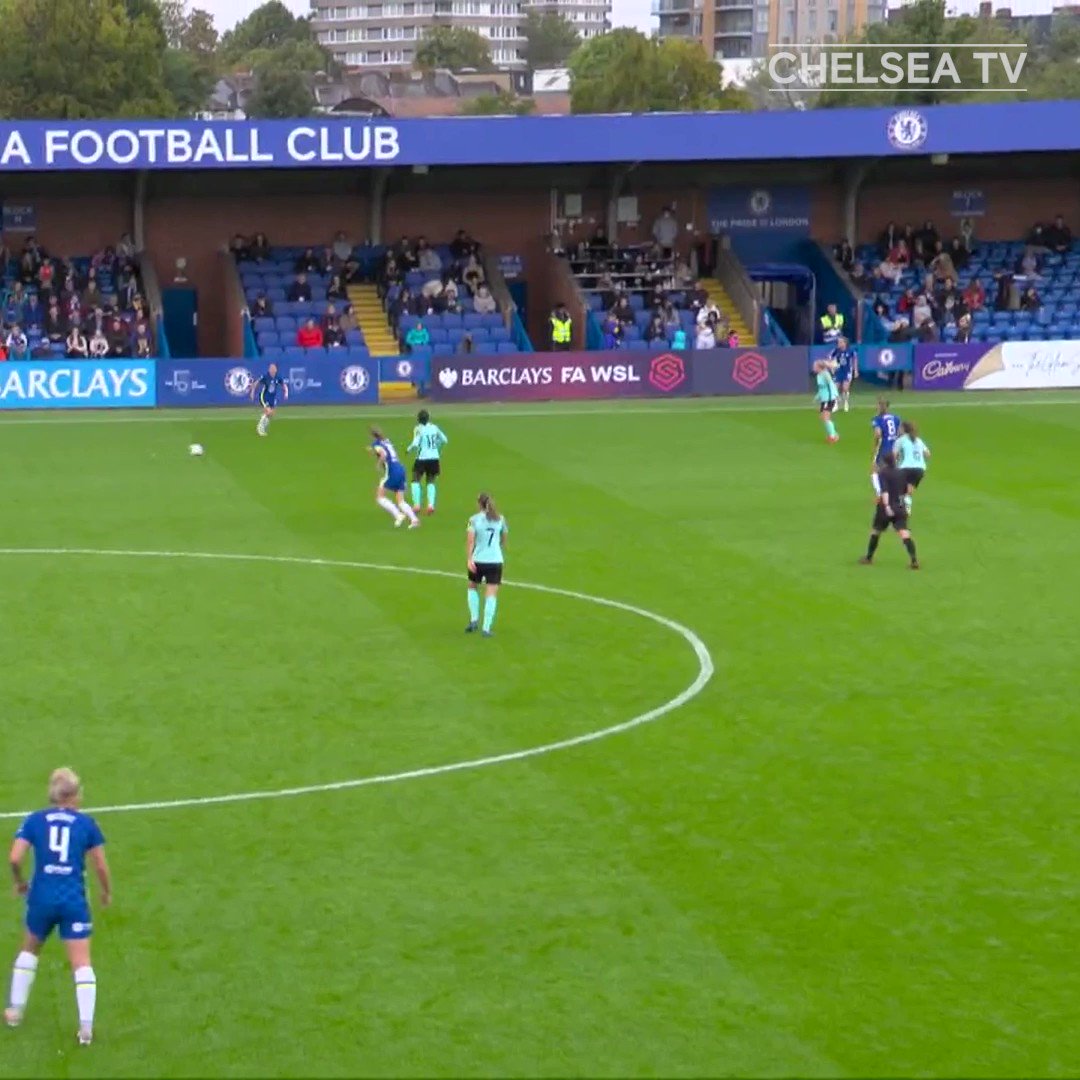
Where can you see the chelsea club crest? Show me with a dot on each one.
(907, 129)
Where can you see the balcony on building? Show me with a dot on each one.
(672, 7)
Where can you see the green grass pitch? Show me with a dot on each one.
(854, 853)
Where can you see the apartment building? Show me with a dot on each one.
(590, 18)
(386, 34)
(743, 29)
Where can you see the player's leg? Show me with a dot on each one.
(880, 524)
(417, 476)
(491, 603)
(22, 977)
(473, 597)
(78, 950)
(264, 420)
(406, 510)
(909, 544)
(387, 505)
(433, 472)
(827, 420)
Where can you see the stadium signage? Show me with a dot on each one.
(80, 384)
(192, 384)
(1012, 365)
(343, 142)
(594, 376)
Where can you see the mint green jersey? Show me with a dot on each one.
(488, 547)
(911, 453)
(428, 441)
(826, 387)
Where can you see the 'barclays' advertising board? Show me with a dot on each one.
(78, 384)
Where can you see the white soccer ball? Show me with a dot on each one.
(195, 449)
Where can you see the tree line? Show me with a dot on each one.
(82, 59)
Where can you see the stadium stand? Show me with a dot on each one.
(83, 306)
(391, 289)
(999, 290)
(638, 298)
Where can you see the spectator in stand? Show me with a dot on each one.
(1029, 264)
(562, 328)
(613, 332)
(346, 321)
(28, 267)
(91, 295)
(656, 331)
(623, 311)
(831, 323)
(33, 316)
(708, 313)
(844, 254)
(417, 338)
(665, 232)
(889, 238)
(918, 253)
(403, 306)
(5, 256)
(391, 273)
(900, 330)
(427, 258)
(450, 300)
(1059, 236)
(696, 298)
(941, 265)
(259, 248)
(678, 338)
(119, 339)
(466, 345)
(1037, 236)
(948, 292)
(881, 307)
(922, 312)
(18, 344)
(125, 249)
(671, 319)
(1030, 300)
(15, 303)
(483, 302)
(308, 263)
(1003, 299)
(127, 284)
(963, 327)
(472, 273)
(333, 336)
(330, 318)
(405, 255)
(76, 346)
(434, 288)
(45, 275)
(328, 263)
(144, 346)
(928, 331)
(310, 335)
(959, 254)
(929, 236)
(704, 338)
(906, 302)
(56, 324)
(336, 289)
(138, 310)
(261, 308)
(462, 246)
(299, 291)
(974, 295)
(967, 234)
(99, 345)
(732, 339)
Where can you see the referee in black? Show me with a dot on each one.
(891, 487)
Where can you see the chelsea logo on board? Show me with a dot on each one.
(907, 129)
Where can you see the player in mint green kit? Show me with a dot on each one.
(827, 398)
(485, 542)
(912, 459)
(428, 441)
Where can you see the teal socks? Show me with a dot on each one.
(415, 493)
(830, 428)
(490, 605)
(474, 606)
(430, 495)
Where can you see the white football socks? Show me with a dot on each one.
(85, 995)
(22, 978)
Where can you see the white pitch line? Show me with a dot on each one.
(706, 669)
(668, 408)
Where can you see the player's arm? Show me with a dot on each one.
(285, 389)
(443, 440)
(101, 868)
(18, 852)
(470, 547)
(415, 441)
(876, 481)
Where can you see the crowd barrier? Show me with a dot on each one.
(127, 384)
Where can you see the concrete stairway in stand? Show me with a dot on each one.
(371, 319)
(719, 296)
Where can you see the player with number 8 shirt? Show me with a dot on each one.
(62, 839)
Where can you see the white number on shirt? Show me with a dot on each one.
(60, 841)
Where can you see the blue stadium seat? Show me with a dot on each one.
(492, 321)
(286, 324)
(443, 349)
(438, 335)
(479, 333)
(637, 345)
(275, 296)
(355, 337)
(637, 302)
(261, 323)
(294, 353)
(274, 352)
(507, 347)
(472, 321)
(659, 345)
(454, 335)
(450, 321)
(485, 348)
(358, 352)
(499, 334)
(267, 337)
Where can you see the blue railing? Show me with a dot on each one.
(162, 338)
(772, 333)
(873, 331)
(594, 332)
(518, 334)
(251, 346)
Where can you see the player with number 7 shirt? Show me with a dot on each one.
(62, 839)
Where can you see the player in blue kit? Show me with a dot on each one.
(886, 429)
(485, 543)
(392, 482)
(62, 839)
(427, 442)
(846, 360)
(268, 387)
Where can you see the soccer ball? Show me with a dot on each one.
(195, 449)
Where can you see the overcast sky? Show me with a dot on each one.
(228, 12)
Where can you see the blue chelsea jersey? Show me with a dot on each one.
(888, 427)
(844, 357)
(60, 840)
(389, 453)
